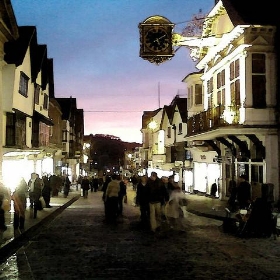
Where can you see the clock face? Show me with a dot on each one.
(157, 39)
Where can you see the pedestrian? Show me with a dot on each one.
(19, 198)
(172, 185)
(111, 198)
(66, 185)
(134, 181)
(35, 185)
(243, 194)
(53, 185)
(122, 195)
(104, 189)
(232, 197)
(85, 186)
(158, 196)
(46, 191)
(79, 182)
(142, 200)
(95, 184)
(174, 209)
(4, 205)
(213, 191)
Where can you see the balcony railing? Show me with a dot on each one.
(213, 118)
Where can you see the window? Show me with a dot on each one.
(23, 84)
(36, 93)
(210, 92)
(234, 83)
(198, 94)
(190, 98)
(221, 88)
(46, 101)
(258, 80)
(44, 131)
(10, 130)
(180, 128)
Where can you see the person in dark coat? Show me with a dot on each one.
(85, 186)
(142, 199)
(260, 222)
(66, 185)
(46, 191)
(104, 189)
(243, 194)
(54, 185)
(122, 195)
(95, 184)
(158, 196)
(232, 197)
(35, 185)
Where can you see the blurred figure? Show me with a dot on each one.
(213, 191)
(79, 182)
(142, 199)
(157, 195)
(243, 194)
(95, 184)
(232, 198)
(54, 185)
(66, 185)
(174, 209)
(172, 185)
(46, 191)
(35, 185)
(85, 186)
(134, 181)
(122, 195)
(19, 198)
(4, 196)
(104, 189)
(111, 198)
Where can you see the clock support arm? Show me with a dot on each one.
(193, 41)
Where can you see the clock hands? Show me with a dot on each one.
(157, 39)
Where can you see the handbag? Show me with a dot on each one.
(43, 203)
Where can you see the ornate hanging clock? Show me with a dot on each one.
(156, 39)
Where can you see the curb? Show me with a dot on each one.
(13, 245)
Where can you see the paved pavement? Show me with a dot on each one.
(197, 204)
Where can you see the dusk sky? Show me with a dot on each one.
(95, 48)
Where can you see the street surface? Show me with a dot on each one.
(77, 244)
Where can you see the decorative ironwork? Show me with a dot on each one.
(212, 119)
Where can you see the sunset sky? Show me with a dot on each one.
(95, 48)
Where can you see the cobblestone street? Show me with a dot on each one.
(77, 244)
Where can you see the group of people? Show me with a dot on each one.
(160, 198)
(86, 183)
(114, 195)
(36, 189)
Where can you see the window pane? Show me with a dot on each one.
(259, 91)
(258, 63)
